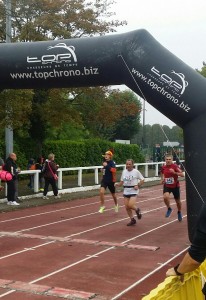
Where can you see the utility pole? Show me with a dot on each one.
(8, 130)
(143, 126)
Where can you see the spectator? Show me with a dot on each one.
(131, 179)
(10, 166)
(31, 166)
(1, 166)
(49, 170)
(176, 158)
(39, 166)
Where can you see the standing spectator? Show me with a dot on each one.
(31, 166)
(1, 163)
(1, 166)
(18, 170)
(11, 167)
(176, 158)
(108, 180)
(49, 170)
(39, 165)
(131, 179)
(169, 179)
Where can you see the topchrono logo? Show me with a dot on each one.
(68, 56)
(177, 83)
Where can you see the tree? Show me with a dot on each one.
(14, 109)
(129, 108)
(109, 114)
(36, 20)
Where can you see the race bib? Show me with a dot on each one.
(169, 180)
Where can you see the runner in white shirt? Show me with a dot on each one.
(131, 179)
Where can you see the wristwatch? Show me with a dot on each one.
(175, 269)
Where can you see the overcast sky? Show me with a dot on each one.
(179, 25)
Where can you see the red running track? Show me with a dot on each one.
(70, 250)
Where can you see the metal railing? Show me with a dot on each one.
(150, 171)
(96, 169)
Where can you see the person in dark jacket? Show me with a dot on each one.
(49, 170)
(108, 180)
(1, 166)
(39, 166)
(11, 167)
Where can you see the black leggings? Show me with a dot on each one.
(11, 190)
(51, 181)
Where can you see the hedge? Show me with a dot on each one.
(76, 153)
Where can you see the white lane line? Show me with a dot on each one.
(94, 256)
(72, 265)
(97, 254)
(73, 218)
(95, 228)
(26, 249)
(7, 293)
(81, 216)
(149, 231)
(73, 207)
(79, 233)
(50, 212)
(108, 224)
(148, 275)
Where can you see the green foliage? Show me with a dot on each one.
(129, 107)
(89, 152)
(67, 153)
(37, 20)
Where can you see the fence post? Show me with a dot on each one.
(59, 179)
(96, 175)
(36, 182)
(80, 177)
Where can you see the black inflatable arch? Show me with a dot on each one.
(135, 59)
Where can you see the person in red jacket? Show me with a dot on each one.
(169, 179)
(108, 180)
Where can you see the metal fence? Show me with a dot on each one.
(150, 171)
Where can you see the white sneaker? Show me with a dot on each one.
(45, 197)
(9, 203)
(14, 203)
(57, 197)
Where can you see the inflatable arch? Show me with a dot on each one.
(135, 59)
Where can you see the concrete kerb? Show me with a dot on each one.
(74, 190)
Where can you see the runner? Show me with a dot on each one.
(131, 179)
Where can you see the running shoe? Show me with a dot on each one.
(116, 208)
(132, 222)
(14, 203)
(101, 210)
(139, 214)
(168, 213)
(179, 216)
(9, 203)
(45, 197)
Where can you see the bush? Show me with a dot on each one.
(76, 153)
